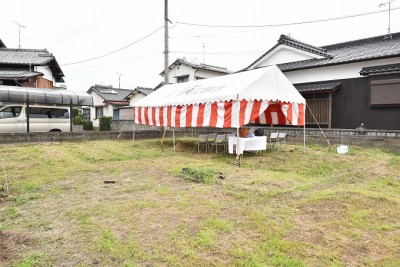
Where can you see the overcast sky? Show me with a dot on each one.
(77, 30)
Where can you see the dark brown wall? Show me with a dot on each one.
(351, 106)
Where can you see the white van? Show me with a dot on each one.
(41, 119)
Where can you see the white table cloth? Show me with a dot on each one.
(247, 144)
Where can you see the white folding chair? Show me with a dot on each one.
(219, 142)
(201, 140)
(282, 139)
(210, 140)
(273, 140)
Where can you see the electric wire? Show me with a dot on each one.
(285, 24)
(114, 62)
(115, 51)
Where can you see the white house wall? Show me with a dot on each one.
(183, 70)
(285, 54)
(97, 102)
(207, 74)
(46, 71)
(343, 71)
(180, 70)
(135, 98)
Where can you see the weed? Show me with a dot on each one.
(198, 175)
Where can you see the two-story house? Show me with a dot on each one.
(182, 70)
(36, 68)
(345, 84)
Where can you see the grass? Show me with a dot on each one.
(185, 209)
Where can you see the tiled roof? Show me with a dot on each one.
(353, 51)
(286, 40)
(199, 66)
(18, 74)
(34, 57)
(109, 93)
(380, 69)
(144, 90)
(25, 56)
(317, 87)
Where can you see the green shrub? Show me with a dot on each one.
(75, 113)
(105, 123)
(78, 120)
(87, 125)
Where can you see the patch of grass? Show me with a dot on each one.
(198, 175)
(34, 260)
(118, 251)
(219, 225)
(9, 213)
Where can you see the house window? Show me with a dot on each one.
(99, 112)
(86, 114)
(182, 79)
(385, 92)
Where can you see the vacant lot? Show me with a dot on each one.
(185, 209)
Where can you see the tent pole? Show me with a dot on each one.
(173, 137)
(133, 132)
(237, 136)
(304, 129)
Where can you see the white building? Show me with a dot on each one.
(106, 101)
(183, 70)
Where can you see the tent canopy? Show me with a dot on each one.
(263, 96)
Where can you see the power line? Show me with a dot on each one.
(115, 51)
(285, 24)
(114, 62)
(218, 53)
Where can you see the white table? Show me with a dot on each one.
(247, 144)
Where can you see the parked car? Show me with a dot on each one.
(13, 119)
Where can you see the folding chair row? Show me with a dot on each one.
(209, 141)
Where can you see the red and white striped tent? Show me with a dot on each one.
(262, 96)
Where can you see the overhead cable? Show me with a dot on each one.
(284, 24)
(115, 51)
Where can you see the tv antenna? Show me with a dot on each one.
(389, 35)
(119, 79)
(19, 32)
(204, 47)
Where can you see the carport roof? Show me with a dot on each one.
(16, 94)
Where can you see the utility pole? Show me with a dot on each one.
(19, 32)
(166, 64)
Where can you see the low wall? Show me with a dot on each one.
(389, 140)
(7, 138)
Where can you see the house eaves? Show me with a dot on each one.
(380, 69)
(286, 40)
(6, 74)
(351, 52)
(198, 66)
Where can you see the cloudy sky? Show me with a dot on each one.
(79, 30)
